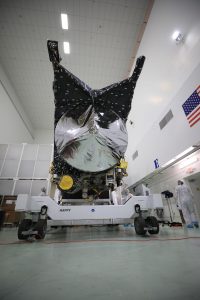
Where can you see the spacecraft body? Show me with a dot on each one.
(90, 136)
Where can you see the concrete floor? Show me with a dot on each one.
(101, 263)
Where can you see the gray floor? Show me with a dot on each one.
(101, 263)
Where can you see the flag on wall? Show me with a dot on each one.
(191, 107)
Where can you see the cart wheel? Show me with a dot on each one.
(41, 227)
(24, 225)
(140, 225)
(153, 222)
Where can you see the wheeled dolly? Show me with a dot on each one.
(40, 210)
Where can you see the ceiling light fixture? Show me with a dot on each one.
(178, 156)
(64, 21)
(177, 36)
(168, 163)
(184, 152)
(66, 47)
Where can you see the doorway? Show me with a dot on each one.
(194, 183)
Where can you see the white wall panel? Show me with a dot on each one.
(44, 136)
(170, 75)
(14, 124)
(45, 152)
(41, 169)
(10, 168)
(22, 187)
(30, 152)
(3, 149)
(6, 187)
(37, 185)
(27, 167)
(14, 152)
(173, 139)
(1, 164)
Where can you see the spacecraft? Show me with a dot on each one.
(90, 141)
(90, 135)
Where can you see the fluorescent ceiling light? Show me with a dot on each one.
(178, 156)
(184, 152)
(188, 162)
(169, 162)
(175, 35)
(66, 47)
(64, 21)
(178, 37)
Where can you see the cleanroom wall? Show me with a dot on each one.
(174, 138)
(14, 124)
(170, 75)
(44, 136)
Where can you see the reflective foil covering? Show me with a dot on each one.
(88, 146)
(90, 130)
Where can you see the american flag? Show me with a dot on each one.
(191, 107)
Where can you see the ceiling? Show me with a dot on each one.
(103, 38)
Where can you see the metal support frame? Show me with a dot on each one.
(60, 215)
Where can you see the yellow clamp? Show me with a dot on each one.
(66, 182)
(123, 164)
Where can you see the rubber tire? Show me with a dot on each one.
(152, 221)
(139, 224)
(41, 227)
(24, 225)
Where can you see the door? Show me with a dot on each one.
(194, 183)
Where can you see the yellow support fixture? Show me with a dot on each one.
(123, 164)
(66, 182)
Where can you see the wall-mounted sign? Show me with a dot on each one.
(156, 164)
